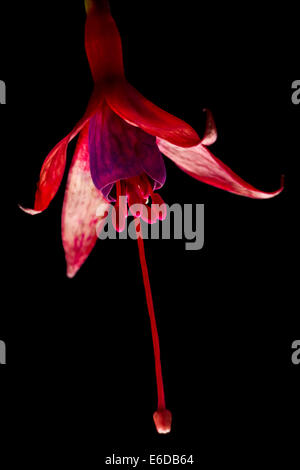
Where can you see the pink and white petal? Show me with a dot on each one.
(202, 165)
(54, 166)
(81, 214)
(134, 108)
(211, 134)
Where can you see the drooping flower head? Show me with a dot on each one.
(118, 157)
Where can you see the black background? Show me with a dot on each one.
(80, 373)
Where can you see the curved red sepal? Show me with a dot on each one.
(54, 166)
(202, 165)
(134, 108)
(211, 134)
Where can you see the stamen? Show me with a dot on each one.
(160, 205)
(162, 417)
(119, 213)
(138, 191)
(149, 215)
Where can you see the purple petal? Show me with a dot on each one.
(119, 151)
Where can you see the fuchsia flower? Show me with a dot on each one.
(122, 137)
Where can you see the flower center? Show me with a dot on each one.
(137, 193)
